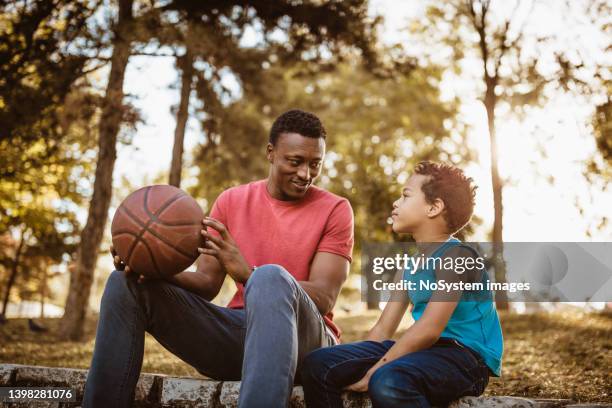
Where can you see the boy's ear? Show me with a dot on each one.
(435, 208)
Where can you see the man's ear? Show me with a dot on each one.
(436, 208)
(270, 152)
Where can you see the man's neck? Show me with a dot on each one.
(273, 191)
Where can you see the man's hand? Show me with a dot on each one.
(226, 251)
(121, 266)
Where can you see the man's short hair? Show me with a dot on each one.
(449, 184)
(297, 121)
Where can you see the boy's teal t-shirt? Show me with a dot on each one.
(474, 323)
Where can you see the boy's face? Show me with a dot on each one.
(410, 210)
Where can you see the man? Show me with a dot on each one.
(286, 244)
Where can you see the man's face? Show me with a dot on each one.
(410, 210)
(295, 163)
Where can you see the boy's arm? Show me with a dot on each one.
(391, 316)
(388, 321)
(421, 335)
(427, 330)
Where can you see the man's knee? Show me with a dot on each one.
(269, 282)
(117, 285)
(121, 287)
(387, 389)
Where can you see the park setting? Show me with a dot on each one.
(298, 127)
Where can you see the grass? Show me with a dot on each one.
(547, 355)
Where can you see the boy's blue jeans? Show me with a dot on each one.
(262, 344)
(435, 376)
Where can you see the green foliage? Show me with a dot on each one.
(47, 112)
(602, 130)
(378, 129)
(242, 40)
(40, 60)
(528, 68)
(382, 107)
(304, 27)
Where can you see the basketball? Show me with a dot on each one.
(156, 231)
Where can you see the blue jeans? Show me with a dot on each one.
(435, 376)
(262, 344)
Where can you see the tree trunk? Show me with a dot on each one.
(499, 264)
(491, 79)
(91, 236)
(13, 275)
(185, 64)
(372, 296)
(43, 292)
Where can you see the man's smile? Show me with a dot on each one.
(300, 185)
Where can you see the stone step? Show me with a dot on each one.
(158, 390)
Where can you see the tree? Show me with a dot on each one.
(211, 33)
(376, 132)
(602, 130)
(45, 139)
(130, 30)
(185, 65)
(110, 122)
(38, 202)
(44, 237)
(14, 266)
(511, 62)
(41, 57)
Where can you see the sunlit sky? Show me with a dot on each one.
(534, 209)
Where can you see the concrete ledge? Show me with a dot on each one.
(157, 390)
(190, 392)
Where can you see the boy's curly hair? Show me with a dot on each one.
(297, 121)
(449, 184)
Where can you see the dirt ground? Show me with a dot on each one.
(547, 355)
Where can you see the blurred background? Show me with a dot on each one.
(99, 98)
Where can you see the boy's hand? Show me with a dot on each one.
(121, 266)
(362, 385)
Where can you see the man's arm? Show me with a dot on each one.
(328, 272)
(206, 281)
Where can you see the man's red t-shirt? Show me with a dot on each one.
(287, 233)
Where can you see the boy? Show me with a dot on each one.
(456, 340)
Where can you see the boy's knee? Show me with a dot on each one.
(314, 364)
(385, 389)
